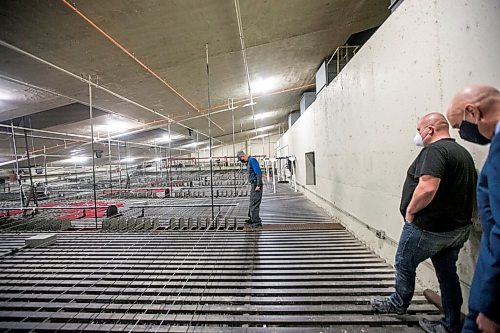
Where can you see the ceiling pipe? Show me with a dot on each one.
(211, 113)
(71, 145)
(95, 85)
(8, 78)
(245, 61)
(142, 129)
(180, 120)
(74, 141)
(133, 57)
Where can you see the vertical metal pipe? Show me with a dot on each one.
(32, 143)
(119, 164)
(170, 160)
(156, 164)
(32, 188)
(127, 183)
(18, 176)
(45, 165)
(234, 148)
(110, 167)
(210, 136)
(269, 149)
(198, 150)
(263, 147)
(93, 151)
(161, 165)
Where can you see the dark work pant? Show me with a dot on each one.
(254, 207)
(417, 245)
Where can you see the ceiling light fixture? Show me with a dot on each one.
(264, 115)
(168, 138)
(128, 159)
(5, 95)
(193, 144)
(263, 85)
(78, 159)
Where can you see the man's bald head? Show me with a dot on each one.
(477, 104)
(433, 127)
(435, 119)
(480, 96)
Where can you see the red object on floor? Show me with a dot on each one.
(73, 214)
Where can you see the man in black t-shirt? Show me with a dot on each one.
(437, 201)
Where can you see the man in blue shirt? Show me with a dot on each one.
(476, 112)
(255, 179)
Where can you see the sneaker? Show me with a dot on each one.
(248, 221)
(256, 225)
(432, 326)
(384, 305)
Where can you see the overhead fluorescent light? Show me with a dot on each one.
(166, 138)
(5, 95)
(261, 85)
(79, 158)
(263, 115)
(75, 159)
(193, 144)
(208, 147)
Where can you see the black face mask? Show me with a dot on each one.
(469, 132)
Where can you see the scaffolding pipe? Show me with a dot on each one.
(170, 161)
(85, 137)
(127, 159)
(234, 149)
(210, 137)
(32, 189)
(18, 176)
(93, 151)
(274, 178)
(82, 79)
(110, 167)
(119, 165)
(45, 165)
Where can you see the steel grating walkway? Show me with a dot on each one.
(300, 273)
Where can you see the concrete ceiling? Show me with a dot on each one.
(286, 40)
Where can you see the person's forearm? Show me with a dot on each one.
(420, 199)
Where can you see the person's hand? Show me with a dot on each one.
(487, 325)
(409, 217)
(257, 188)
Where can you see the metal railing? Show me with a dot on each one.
(338, 60)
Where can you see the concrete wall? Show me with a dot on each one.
(361, 127)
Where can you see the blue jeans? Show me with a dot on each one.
(417, 245)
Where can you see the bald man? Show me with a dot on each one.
(437, 202)
(476, 112)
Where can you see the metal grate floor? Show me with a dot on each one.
(300, 273)
(264, 281)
